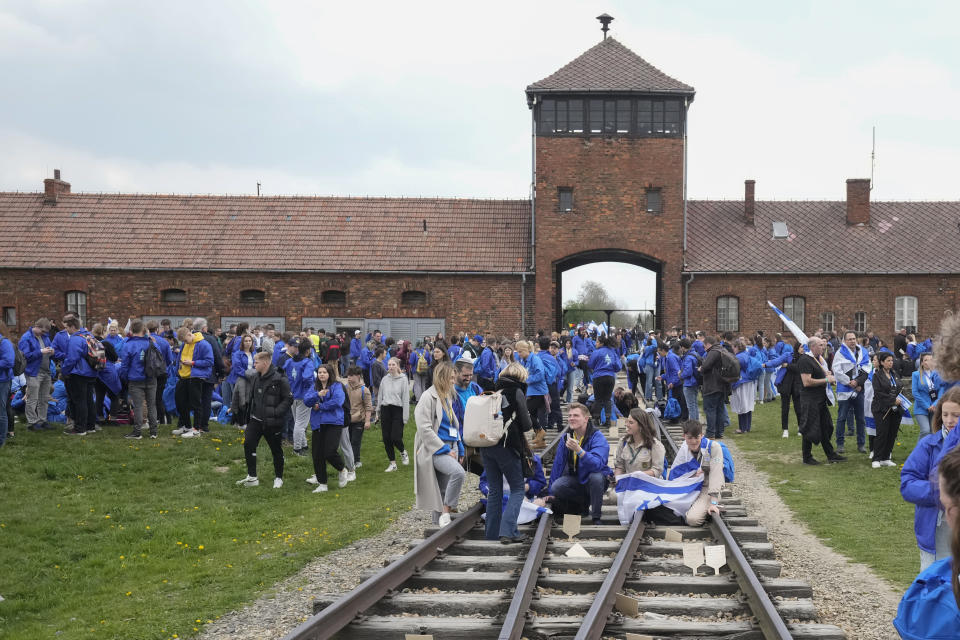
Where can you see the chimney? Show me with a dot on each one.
(54, 187)
(858, 201)
(748, 199)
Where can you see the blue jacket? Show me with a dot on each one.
(604, 362)
(572, 361)
(551, 370)
(921, 392)
(355, 348)
(596, 452)
(699, 348)
(537, 483)
(536, 376)
(784, 355)
(917, 487)
(165, 349)
(329, 409)
(583, 346)
(688, 369)
(454, 352)
(202, 360)
(744, 359)
(132, 360)
(7, 358)
(648, 353)
(74, 360)
(59, 344)
(239, 361)
(486, 365)
(928, 609)
(671, 368)
(415, 357)
(118, 343)
(30, 345)
(301, 375)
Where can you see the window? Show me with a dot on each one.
(561, 116)
(77, 302)
(654, 201)
(566, 199)
(728, 313)
(413, 298)
(658, 117)
(826, 321)
(596, 116)
(10, 316)
(794, 307)
(173, 295)
(621, 115)
(252, 296)
(906, 313)
(334, 298)
(860, 321)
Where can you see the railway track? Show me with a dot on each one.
(456, 584)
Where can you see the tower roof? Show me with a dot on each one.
(609, 67)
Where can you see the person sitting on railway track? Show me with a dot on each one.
(918, 483)
(438, 449)
(708, 456)
(580, 473)
(640, 449)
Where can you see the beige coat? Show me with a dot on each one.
(427, 442)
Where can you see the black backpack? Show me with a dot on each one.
(154, 366)
(729, 367)
(19, 360)
(346, 405)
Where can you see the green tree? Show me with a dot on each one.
(593, 295)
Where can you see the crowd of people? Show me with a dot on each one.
(275, 385)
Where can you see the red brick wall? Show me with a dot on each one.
(842, 295)
(468, 303)
(609, 177)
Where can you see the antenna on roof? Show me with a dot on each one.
(605, 20)
(258, 189)
(873, 156)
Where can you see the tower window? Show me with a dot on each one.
(616, 115)
(252, 296)
(653, 201)
(566, 199)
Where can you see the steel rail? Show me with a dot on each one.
(341, 613)
(523, 593)
(596, 618)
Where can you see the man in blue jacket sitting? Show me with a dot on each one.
(580, 473)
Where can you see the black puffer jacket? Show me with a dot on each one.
(514, 411)
(270, 398)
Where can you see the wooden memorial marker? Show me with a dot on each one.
(693, 555)
(716, 557)
(628, 606)
(417, 636)
(672, 535)
(576, 551)
(637, 636)
(571, 525)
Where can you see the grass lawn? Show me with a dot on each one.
(102, 537)
(853, 508)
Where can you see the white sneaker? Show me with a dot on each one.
(358, 465)
(178, 431)
(249, 481)
(351, 476)
(320, 488)
(786, 434)
(404, 457)
(277, 483)
(444, 519)
(390, 467)
(876, 464)
(871, 455)
(192, 433)
(312, 479)
(888, 463)
(343, 479)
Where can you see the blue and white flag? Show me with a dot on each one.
(602, 328)
(528, 510)
(592, 327)
(794, 329)
(637, 491)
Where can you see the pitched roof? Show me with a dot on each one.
(610, 66)
(256, 233)
(820, 240)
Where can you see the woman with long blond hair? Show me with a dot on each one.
(438, 448)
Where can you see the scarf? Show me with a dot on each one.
(864, 363)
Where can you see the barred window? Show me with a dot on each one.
(826, 321)
(860, 321)
(906, 313)
(728, 313)
(795, 309)
(77, 302)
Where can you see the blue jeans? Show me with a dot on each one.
(923, 421)
(569, 490)
(226, 391)
(850, 412)
(690, 395)
(573, 378)
(716, 414)
(500, 462)
(651, 372)
(4, 400)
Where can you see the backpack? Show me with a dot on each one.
(422, 365)
(96, 356)
(19, 360)
(729, 367)
(928, 610)
(728, 469)
(483, 420)
(346, 405)
(672, 410)
(754, 368)
(154, 365)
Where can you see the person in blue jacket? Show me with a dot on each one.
(551, 375)
(918, 484)
(744, 396)
(143, 388)
(584, 346)
(80, 378)
(241, 361)
(579, 476)
(779, 362)
(37, 351)
(195, 366)
(356, 346)
(301, 374)
(689, 378)
(153, 331)
(455, 349)
(537, 389)
(326, 421)
(697, 344)
(487, 367)
(926, 390)
(671, 379)
(571, 358)
(605, 363)
(651, 369)
(7, 359)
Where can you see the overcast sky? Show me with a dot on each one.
(426, 98)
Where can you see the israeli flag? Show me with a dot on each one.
(528, 510)
(794, 329)
(637, 491)
(602, 328)
(592, 326)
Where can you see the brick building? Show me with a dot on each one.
(610, 185)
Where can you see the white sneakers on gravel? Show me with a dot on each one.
(404, 457)
(312, 479)
(249, 481)
(391, 467)
(343, 479)
(277, 483)
(444, 519)
(320, 488)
